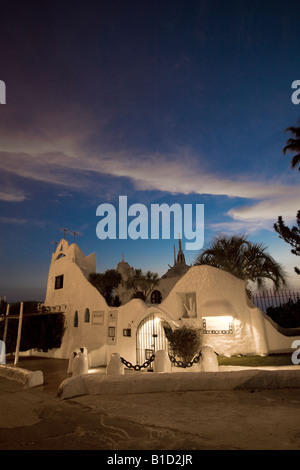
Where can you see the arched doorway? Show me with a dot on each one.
(150, 337)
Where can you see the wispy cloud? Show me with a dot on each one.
(65, 157)
(244, 226)
(12, 195)
(264, 213)
(12, 220)
(174, 173)
(15, 221)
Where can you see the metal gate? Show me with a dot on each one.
(150, 337)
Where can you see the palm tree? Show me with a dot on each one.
(244, 259)
(106, 283)
(290, 235)
(142, 283)
(293, 145)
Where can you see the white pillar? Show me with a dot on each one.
(162, 361)
(115, 366)
(6, 322)
(19, 334)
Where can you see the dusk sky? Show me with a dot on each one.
(176, 101)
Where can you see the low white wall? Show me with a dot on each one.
(279, 342)
(26, 377)
(102, 384)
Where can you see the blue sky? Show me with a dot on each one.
(175, 101)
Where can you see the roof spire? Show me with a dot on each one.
(180, 255)
(180, 249)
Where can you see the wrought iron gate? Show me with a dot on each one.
(150, 337)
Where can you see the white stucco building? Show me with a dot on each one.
(204, 297)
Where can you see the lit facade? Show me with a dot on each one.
(203, 297)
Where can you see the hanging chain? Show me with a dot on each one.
(185, 364)
(174, 361)
(137, 366)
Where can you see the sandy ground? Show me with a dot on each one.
(229, 420)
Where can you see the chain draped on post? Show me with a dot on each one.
(185, 364)
(137, 366)
(151, 359)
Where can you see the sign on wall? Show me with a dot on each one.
(112, 327)
(98, 317)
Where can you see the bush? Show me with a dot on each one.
(185, 342)
(41, 332)
(286, 315)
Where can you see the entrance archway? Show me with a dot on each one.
(150, 337)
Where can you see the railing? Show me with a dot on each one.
(271, 298)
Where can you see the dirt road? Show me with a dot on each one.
(35, 419)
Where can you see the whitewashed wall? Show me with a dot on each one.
(212, 293)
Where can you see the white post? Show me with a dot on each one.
(19, 334)
(6, 322)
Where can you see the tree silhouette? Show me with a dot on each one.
(244, 259)
(293, 145)
(141, 283)
(106, 283)
(290, 235)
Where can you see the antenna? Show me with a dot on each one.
(71, 231)
(64, 230)
(75, 234)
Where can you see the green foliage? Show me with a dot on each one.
(41, 332)
(142, 283)
(244, 259)
(290, 235)
(286, 315)
(293, 145)
(275, 360)
(106, 283)
(185, 342)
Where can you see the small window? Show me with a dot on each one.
(59, 282)
(127, 332)
(111, 331)
(156, 297)
(76, 319)
(87, 315)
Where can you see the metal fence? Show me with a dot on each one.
(272, 298)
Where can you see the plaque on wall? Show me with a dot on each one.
(97, 318)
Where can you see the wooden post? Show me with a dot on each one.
(19, 334)
(6, 323)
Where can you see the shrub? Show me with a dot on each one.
(185, 342)
(286, 315)
(41, 332)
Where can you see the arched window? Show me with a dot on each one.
(156, 297)
(87, 315)
(76, 319)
